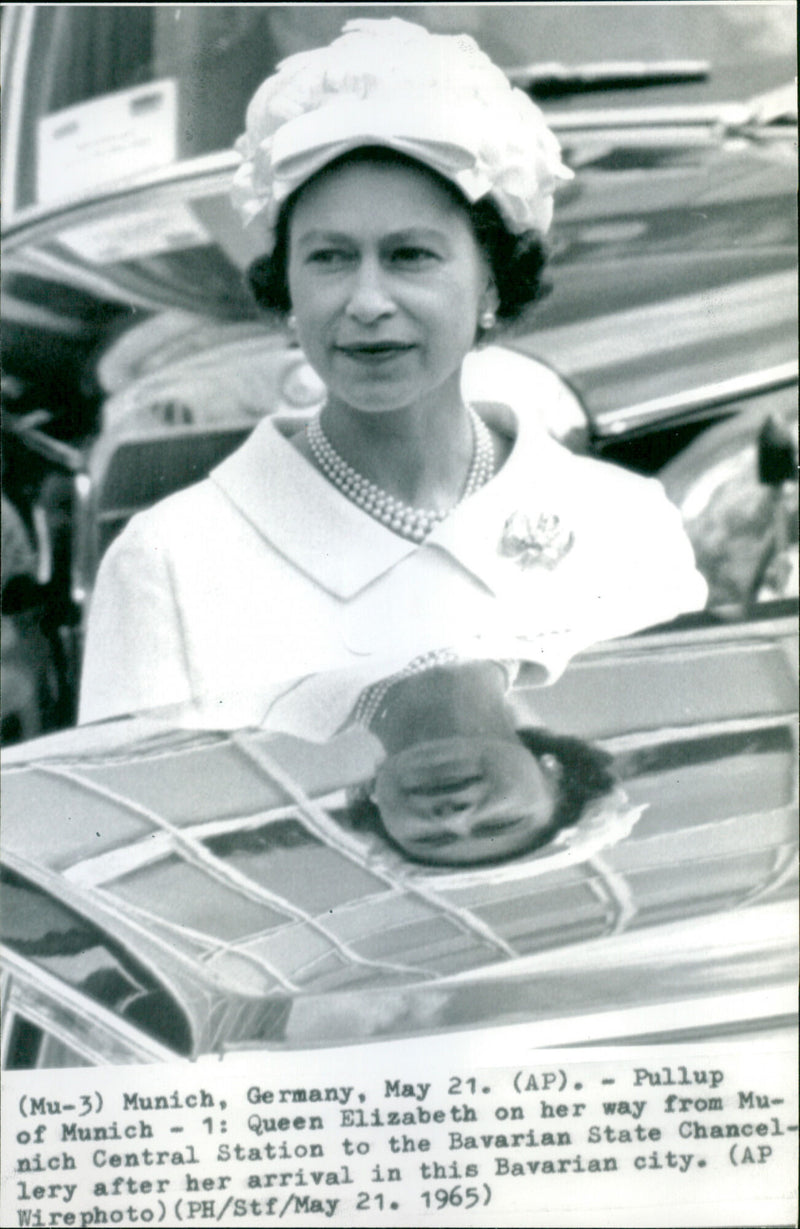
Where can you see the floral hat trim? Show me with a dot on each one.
(437, 98)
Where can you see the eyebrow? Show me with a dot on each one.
(413, 234)
(492, 827)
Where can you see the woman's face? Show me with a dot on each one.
(387, 282)
(464, 800)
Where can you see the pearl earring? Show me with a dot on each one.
(487, 319)
(291, 322)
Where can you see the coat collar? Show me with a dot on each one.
(342, 548)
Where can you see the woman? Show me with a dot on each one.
(403, 190)
(460, 784)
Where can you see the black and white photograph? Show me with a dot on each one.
(400, 614)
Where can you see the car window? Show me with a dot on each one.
(129, 88)
(736, 487)
(29, 1046)
(43, 930)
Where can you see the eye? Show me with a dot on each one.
(435, 840)
(490, 827)
(411, 254)
(328, 257)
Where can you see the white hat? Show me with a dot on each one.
(435, 97)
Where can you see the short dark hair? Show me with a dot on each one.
(587, 773)
(517, 262)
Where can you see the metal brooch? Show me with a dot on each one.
(529, 542)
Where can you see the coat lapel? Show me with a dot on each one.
(304, 517)
(343, 549)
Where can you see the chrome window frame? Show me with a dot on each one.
(71, 1018)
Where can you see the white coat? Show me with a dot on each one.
(264, 573)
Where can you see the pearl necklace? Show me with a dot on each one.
(401, 518)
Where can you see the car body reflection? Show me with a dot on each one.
(227, 863)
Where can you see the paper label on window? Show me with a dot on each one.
(92, 144)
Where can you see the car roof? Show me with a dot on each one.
(225, 863)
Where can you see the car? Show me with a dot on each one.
(135, 360)
(185, 891)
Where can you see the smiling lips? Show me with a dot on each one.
(374, 351)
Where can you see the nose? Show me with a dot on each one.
(456, 819)
(370, 299)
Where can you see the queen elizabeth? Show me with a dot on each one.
(402, 190)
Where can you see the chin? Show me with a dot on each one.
(375, 400)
